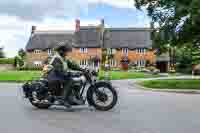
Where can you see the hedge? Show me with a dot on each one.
(7, 61)
(28, 68)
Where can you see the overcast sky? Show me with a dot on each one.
(17, 17)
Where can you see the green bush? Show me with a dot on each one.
(7, 61)
(115, 69)
(30, 69)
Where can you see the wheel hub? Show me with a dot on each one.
(103, 97)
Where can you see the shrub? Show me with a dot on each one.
(30, 69)
(7, 61)
(153, 70)
(115, 69)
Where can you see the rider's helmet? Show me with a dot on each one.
(63, 47)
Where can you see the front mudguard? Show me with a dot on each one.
(94, 87)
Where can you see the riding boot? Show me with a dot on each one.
(67, 90)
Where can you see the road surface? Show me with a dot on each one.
(138, 111)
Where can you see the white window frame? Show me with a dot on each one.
(140, 62)
(110, 51)
(125, 51)
(83, 62)
(141, 50)
(113, 62)
(37, 63)
(37, 51)
(83, 50)
(49, 51)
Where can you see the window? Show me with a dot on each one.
(37, 63)
(125, 51)
(83, 63)
(111, 51)
(141, 63)
(37, 51)
(83, 50)
(141, 50)
(113, 62)
(49, 52)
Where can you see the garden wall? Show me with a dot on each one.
(6, 67)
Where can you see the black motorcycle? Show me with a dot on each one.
(99, 94)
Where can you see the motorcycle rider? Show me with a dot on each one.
(62, 65)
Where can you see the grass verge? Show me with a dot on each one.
(172, 84)
(18, 75)
(28, 75)
(114, 75)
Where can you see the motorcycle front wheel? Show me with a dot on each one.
(104, 97)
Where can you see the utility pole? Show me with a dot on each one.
(101, 29)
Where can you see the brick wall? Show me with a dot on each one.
(133, 56)
(76, 55)
(31, 57)
(4, 67)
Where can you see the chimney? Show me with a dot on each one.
(33, 29)
(77, 24)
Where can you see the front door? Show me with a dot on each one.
(162, 66)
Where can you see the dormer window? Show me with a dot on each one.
(83, 50)
(37, 51)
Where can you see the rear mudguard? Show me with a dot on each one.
(94, 88)
(27, 89)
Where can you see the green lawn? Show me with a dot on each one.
(28, 75)
(172, 84)
(113, 75)
(18, 75)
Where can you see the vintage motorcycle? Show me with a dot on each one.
(99, 94)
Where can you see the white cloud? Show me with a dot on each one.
(18, 17)
(115, 3)
(15, 32)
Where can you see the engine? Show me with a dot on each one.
(39, 87)
(79, 82)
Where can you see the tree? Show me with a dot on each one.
(22, 53)
(184, 60)
(178, 19)
(178, 24)
(2, 55)
(195, 55)
(19, 59)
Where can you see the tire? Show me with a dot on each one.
(92, 102)
(39, 106)
(89, 97)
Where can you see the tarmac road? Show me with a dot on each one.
(138, 111)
